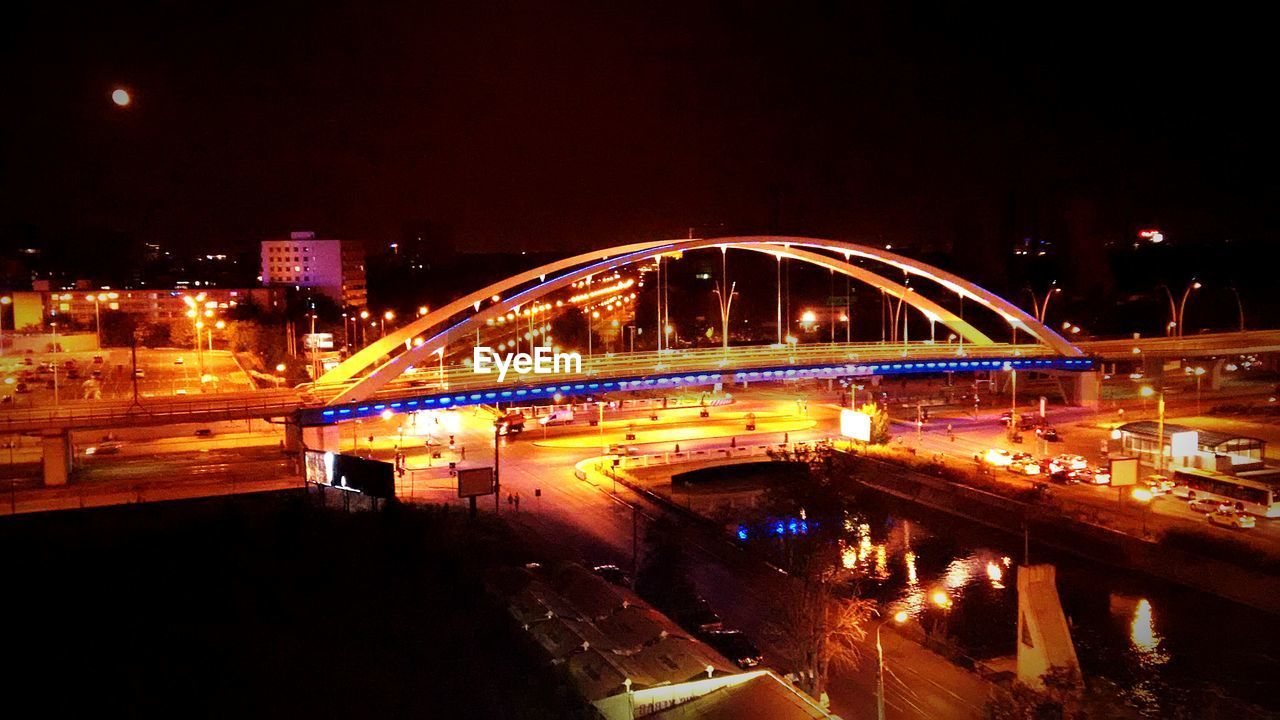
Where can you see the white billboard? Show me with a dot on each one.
(1184, 444)
(855, 425)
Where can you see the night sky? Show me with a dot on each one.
(565, 125)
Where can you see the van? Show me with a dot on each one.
(558, 416)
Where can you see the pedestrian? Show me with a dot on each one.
(733, 441)
(517, 501)
(510, 499)
(677, 447)
(786, 438)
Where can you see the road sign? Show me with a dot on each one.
(321, 341)
(1124, 471)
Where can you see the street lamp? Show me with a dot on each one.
(898, 618)
(726, 304)
(1041, 307)
(1199, 373)
(1176, 310)
(4, 302)
(97, 311)
(387, 317)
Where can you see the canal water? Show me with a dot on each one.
(1170, 651)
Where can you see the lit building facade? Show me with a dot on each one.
(335, 268)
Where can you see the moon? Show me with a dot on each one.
(120, 97)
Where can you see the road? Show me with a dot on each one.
(582, 520)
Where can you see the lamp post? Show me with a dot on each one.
(725, 305)
(1041, 307)
(899, 618)
(382, 323)
(440, 355)
(1182, 306)
(4, 302)
(193, 312)
(364, 315)
(1239, 306)
(97, 311)
(1199, 373)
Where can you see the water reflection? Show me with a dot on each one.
(1147, 642)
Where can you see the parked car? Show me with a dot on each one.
(735, 646)
(1024, 464)
(1063, 477)
(139, 373)
(1051, 434)
(1232, 519)
(204, 432)
(179, 361)
(699, 617)
(613, 574)
(1159, 484)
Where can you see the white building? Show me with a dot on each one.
(334, 267)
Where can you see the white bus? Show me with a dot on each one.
(1252, 496)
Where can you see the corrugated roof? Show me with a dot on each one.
(1208, 438)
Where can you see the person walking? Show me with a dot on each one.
(517, 501)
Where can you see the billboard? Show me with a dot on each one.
(354, 474)
(855, 425)
(318, 341)
(1124, 471)
(1184, 444)
(474, 482)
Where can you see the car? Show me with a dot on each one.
(699, 617)
(97, 374)
(28, 361)
(21, 387)
(998, 457)
(180, 391)
(1159, 485)
(1208, 505)
(1092, 476)
(1068, 462)
(108, 447)
(139, 373)
(558, 416)
(179, 361)
(97, 360)
(1063, 477)
(613, 574)
(204, 432)
(735, 646)
(1232, 519)
(1051, 434)
(1025, 466)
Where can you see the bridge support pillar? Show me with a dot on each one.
(56, 457)
(1084, 389)
(1215, 375)
(322, 437)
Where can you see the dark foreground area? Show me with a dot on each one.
(264, 605)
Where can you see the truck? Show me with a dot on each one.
(511, 423)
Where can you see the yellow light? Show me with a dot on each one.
(422, 310)
(417, 341)
(120, 97)
(940, 599)
(386, 414)
(220, 324)
(280, 367)
(208, 313)
(364, 314)
(90, 298)
(1146, 391)
(900, 616)
(5, 300)
(191, 313)
(1142, 494)
(389, 315)
(808, 316)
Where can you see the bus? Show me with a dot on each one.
(1252, 496)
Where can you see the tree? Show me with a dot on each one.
(663, 579)
(879, 423)
(118, 328)
(824, 621)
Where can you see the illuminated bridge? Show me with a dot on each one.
(425, 363)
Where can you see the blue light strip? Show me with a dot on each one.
(324, 416)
